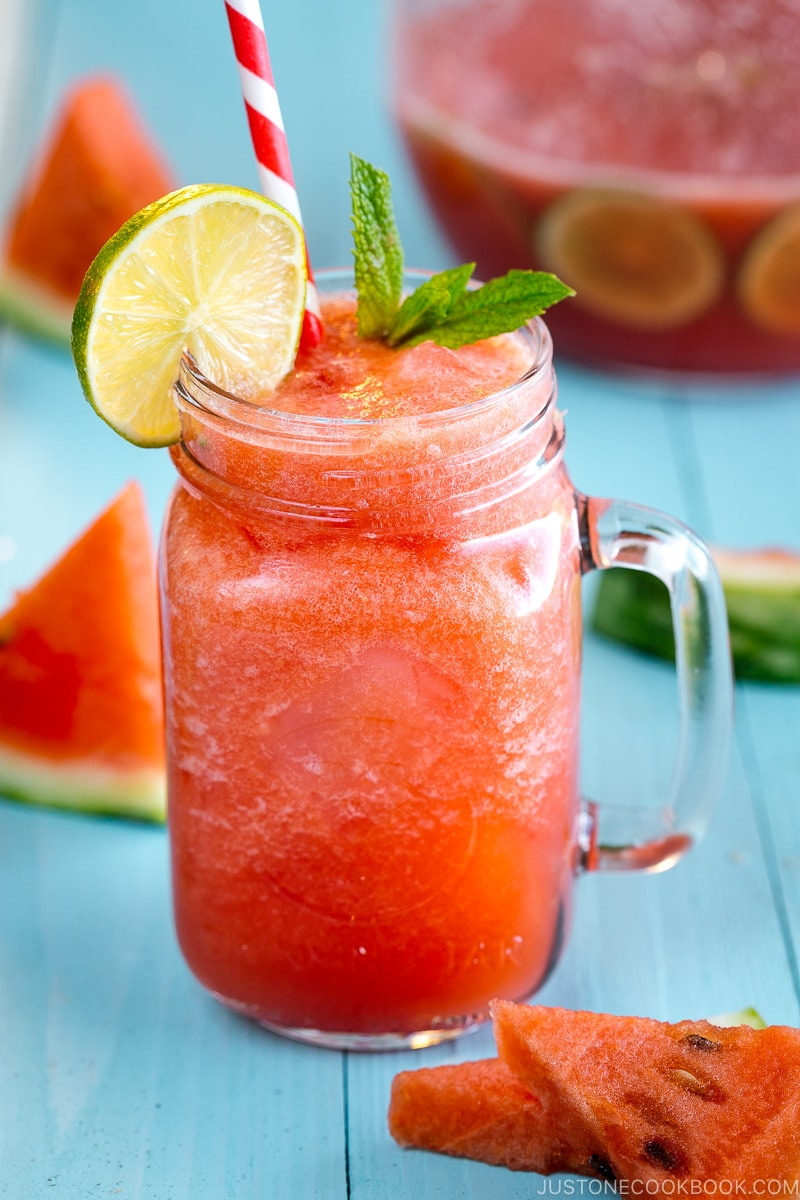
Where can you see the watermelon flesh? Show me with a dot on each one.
(655, 1101)
(621, 1099)
(476, 1110)
(762, 596)
(97, 168)
(81, 721)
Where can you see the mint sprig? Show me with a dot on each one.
(430, 305)
(443, 309)
(376, 248)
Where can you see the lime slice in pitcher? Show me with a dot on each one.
(769, 278)
(215, 270)
(632, 258)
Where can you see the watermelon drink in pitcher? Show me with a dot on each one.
(647, 153)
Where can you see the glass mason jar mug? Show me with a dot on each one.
(372, 643)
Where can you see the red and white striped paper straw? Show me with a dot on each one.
(267, 133)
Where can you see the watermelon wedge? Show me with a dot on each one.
(96, 169)
(653, 1101)
(619, 1099)
(81, 722)
(476, 1110)
(762, 594)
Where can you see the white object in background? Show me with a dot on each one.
(19, 40)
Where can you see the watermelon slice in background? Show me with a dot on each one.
(762, 596)
(81, 722)
(96, 168)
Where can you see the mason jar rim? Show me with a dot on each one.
(196, 389)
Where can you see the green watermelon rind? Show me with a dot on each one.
(83, 786)
(744, 1016)
(762, 595)
(33, 309)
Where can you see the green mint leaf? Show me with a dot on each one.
(377, 250)
(430, 304)
(499, 306)
(442, 309)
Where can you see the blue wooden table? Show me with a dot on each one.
(119, 1077)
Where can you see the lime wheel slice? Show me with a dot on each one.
(214, 270)
(768, 283)
(631, 258)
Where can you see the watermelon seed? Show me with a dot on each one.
(704, 1089)
(697, 1042)
(602, 1167)
(661, 1156)
(690, 1082)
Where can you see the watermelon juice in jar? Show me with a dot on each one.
(372, 640)
(647, 153)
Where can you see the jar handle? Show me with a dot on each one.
(616, 533)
